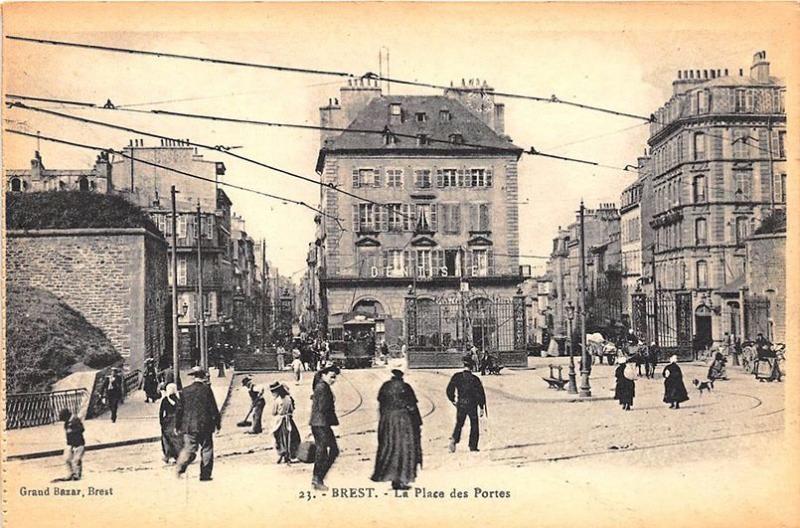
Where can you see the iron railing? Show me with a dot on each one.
(41, 408)
(132, 381)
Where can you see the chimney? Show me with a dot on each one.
(331, 116)
(478, 97)
(356, 96)
(759, 71)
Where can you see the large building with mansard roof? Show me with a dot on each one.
(718, 168)
(447, 174)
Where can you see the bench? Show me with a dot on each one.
(555, 381)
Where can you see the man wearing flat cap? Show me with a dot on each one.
(196, 417)
(323, 418)
(465, 391)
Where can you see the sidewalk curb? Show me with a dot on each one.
(119, 443)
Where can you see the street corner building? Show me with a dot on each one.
(718, 173)
(428, 254)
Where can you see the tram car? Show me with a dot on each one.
(352, 342)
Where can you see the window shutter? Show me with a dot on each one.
(468, 178)
(468, 263)
(775, 144)
(439, 178)
(490, 261)
(473, 217)
(378, 176)
(355, 218)
(489, 176)
(377, 212)
(460, 178)
(406, 262)
(413, 213)
(456, 222)
(434, 219)
(356, 179)
(387, 210)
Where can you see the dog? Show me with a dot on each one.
(704, 385)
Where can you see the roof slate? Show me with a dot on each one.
(375, 116)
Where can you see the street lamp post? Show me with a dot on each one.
(572, 387)
(586, 369)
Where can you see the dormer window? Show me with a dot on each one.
(394, 109)
(389, 139)
(421, 117)
(444, 115)
(456, 139)
(422, 140)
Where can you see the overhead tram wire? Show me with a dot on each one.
(311, 71)
(171, 169)
(386, 131)
(218, 148)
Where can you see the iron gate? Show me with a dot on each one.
(665, 319)
(441, 330)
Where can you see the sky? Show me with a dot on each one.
(622, 57)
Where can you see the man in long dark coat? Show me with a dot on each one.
(674, 389)
(399, 438)
(323, 418)
(112, 391)
(197, 417)
(471, 398)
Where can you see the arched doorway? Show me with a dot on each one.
(83, 184)
(16, 185)
(368, 307)
(702, 326)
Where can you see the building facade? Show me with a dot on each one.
(718, 167)
(602, 256)
(149, 187)
(39, 178)
(631, 242)
(437, 204)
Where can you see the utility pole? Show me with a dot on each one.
(175, 362)
(132, 151)
(200, 303)
(586, 389)
(264, 295)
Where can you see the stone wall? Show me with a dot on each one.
(116, 278)
(766, 276)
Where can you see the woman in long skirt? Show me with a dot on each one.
(287, 437)
(171, 442)
(674, 389)
(399, 443)
(625, 388)
(150, 381)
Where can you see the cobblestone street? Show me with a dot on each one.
(531, 433)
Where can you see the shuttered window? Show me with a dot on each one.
(182, 271)
(394, 177)
(422, 178)
(394, 218)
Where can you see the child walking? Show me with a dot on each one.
(73, 452)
